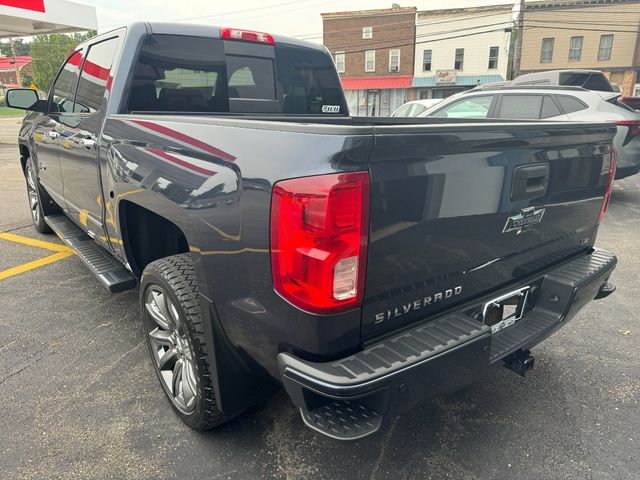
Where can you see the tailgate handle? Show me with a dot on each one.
(530, 181)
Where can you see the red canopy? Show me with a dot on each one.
(374, 83)
(6, 63)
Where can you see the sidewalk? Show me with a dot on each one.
(9, 128)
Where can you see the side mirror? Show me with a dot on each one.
(24, 99)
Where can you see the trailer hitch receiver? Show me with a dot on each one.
(520, 362)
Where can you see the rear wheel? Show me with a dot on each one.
(175, 336)
(33, 192)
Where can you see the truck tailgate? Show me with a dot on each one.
(461, 210)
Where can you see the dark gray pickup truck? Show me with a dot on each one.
(365, 264)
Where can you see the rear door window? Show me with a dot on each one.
(95, 76)
(549, 108)
(570, 104)
(526, 107)
(195, 74)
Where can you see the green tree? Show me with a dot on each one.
(22, 47)
(50, 51)
(27, 79)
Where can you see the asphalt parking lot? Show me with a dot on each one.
(80, 399)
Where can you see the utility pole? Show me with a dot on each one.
(517, 53)
(15, 63)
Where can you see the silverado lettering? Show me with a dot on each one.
(418, 304)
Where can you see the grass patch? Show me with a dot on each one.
(11, 112)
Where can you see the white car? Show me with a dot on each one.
(527, 102)
(415, 107)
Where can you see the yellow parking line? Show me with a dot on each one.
(235, 238)
(32, 242)
(228, 252)
(35, 264)
(62, 251)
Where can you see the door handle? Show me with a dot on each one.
(88, 143)
(53, 134)
(530, 181)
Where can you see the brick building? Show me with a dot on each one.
(374, 54)
(8, 70)
(590, 34)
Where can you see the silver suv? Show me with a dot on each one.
(551, 104)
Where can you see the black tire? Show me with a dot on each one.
(34, 195)
(176, 278)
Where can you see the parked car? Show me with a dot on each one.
(552, 104)
(588, 79)
(415, 107)
(364, 264)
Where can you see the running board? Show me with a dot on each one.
(111, 273)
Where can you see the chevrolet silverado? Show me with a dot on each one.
(363, 264)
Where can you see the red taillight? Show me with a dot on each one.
(246, 35)
(634, 127)
(319, 236)
(607, 192)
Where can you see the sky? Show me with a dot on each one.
(300, 18)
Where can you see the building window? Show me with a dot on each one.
(340, 62)
(370, 61)
(459, 61)
(604, 52)
(575, 49)
(493, 57)
(394, 60)
(367, 32)
(546, 52)
(426, 60)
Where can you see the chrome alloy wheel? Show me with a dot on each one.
(170, 348)
(32, 191)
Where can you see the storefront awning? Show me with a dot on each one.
(22, 18)
(377, 83)
(461, 81)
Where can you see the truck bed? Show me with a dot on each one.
(441, 198)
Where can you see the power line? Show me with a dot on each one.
(391, 26)
(429, 41)
(387, 44)
(231, 14)
(487, 31)
(592, 22)
(505, 23)
(445, 34)
(604, 30)
(429, 34)
(384, 44)
(463, 17)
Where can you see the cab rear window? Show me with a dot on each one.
(177, 73)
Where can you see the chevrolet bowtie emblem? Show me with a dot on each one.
(525, 220)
